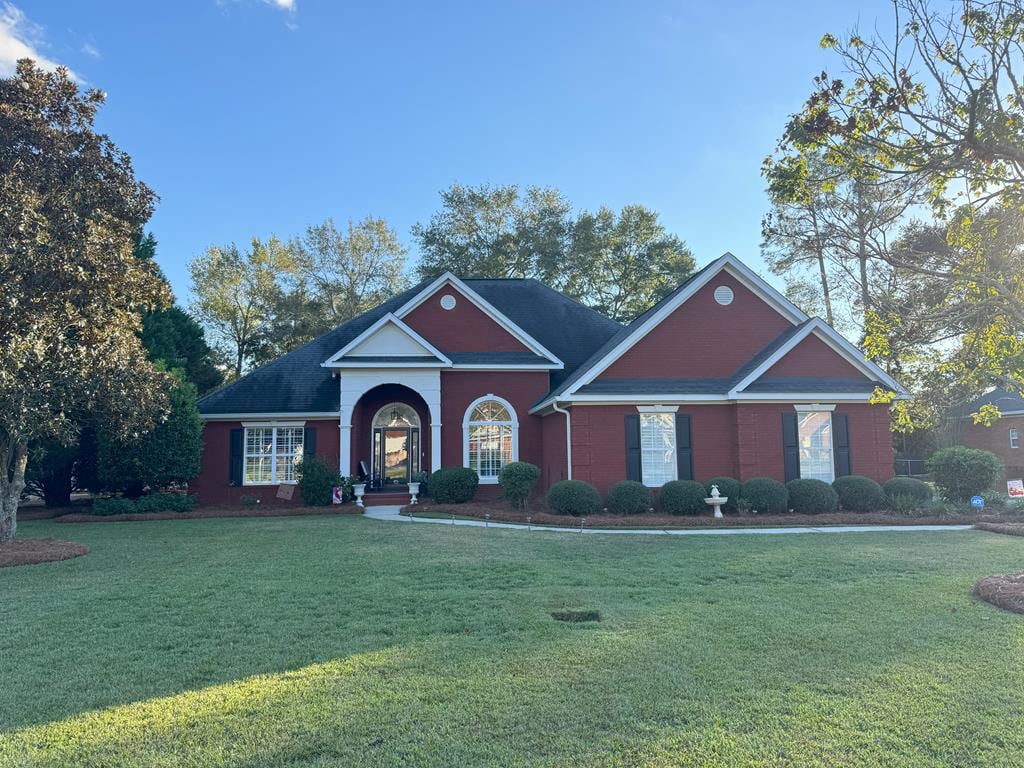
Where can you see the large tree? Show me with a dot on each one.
(71, 288)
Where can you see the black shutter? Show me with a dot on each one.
(235, 462)
(790, 447)
(308, 443)
(684, 447)
(841, 444)
(634, 468)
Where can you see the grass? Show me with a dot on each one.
(338, 641)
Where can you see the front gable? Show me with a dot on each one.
(812, 357)
(388, 342)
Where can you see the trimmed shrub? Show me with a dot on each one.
(574, 497)
(453, 485)
(765, 496)
(859, 494)
(728, 487)
(812, 497)
(684, 497)
(910, 487)
(905, 505)
(964, 472)
(629, 498)
(317, 481)
(517, 480)
(154, 502)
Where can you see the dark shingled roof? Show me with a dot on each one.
(656, 387)
(1003, 399)
(812, 384)
(295, 383)
(497, 358)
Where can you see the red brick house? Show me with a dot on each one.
(1005, 438)
(722, 377)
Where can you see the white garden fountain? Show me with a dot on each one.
(716, 500)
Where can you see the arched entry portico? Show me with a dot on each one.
(364, 395)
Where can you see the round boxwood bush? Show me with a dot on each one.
(683, 497)
(453, 485)
(728, 487)
(629, 498)
(908, 487)
(574, 497)
(316, 481)
(964, 472)
(859, 494)
(517, 480)
(812, 497)
(765, 496)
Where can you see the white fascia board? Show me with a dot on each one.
(737, 269)
(835, 341)
(268, 415)
(507, 367)
(397, 322)
(802, 397)
(344, 366)
(483, 305)
(760, 397)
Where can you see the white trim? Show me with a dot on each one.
(482, 304)
(343, 365)
(268, 415)
(505, 367)
(831, 447)
(835, 341)
(814, 407)
(273, 423)
(736, 268)
(658, 408)
(466, 423)
(675, 446)
(761, 397)
(388, 318)
(273, 427)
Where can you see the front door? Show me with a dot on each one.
(396, 445)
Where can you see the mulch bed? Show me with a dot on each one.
(501, 513)
(1010, 529)
(1004, 591)
(206, 512)
(31, 551)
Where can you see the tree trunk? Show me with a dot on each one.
(13, 460)
(825, 289)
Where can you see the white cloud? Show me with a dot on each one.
(20, 38)
(284, 5)
(90, 50)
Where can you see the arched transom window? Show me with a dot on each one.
(491, 436)
(396, 415)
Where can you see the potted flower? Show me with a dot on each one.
(421, 478)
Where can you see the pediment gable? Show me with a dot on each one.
(389, 341)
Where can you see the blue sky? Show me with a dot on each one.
(258, 117)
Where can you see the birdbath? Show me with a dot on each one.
(716, 500)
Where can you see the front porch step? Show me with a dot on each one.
(386, 499)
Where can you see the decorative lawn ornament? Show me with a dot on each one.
(716, 500)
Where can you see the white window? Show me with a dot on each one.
(658, 464)
(491, 437)
(815, 442)
(271, 454)
(1014, 441)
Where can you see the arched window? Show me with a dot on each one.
(491, 437)
(396, 415)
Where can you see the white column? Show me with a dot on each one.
(433, 398)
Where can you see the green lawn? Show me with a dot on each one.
(344, 641)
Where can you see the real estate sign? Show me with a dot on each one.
(1015, 488)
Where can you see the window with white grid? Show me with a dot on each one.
(491, 432)
(815, 434)
(658, 448)
(271, 454)
(1014, 441)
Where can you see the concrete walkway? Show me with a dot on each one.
(391, 514)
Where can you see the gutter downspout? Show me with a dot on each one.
(568, 437)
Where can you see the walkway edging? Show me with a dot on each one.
(391, 514)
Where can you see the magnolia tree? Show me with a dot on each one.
(71, 289)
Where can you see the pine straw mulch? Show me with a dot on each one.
(31, 551)
(539, 515)
(1004, 591)
(1010, 529)
(209, 512)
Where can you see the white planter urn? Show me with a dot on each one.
(414, 491)
(359, 489)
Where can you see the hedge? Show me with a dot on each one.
(574, 497)
(765, 496)
(811, 497)
(961, 473)
(517, 480)
(317, 481)
(859, 494)
(683, 497)
(453, 485)
(728, 487)
(909, 487)
(155, 502)
(629, 498)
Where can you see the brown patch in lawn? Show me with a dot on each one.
(501, 512)
(1010, 529)
(1004, 591)
(31, 551)
(205, 512)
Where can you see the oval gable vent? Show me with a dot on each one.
(724, 295)
(448, 301)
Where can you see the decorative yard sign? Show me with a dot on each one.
(337, 495)
(977, 502)
(285, 492)
(1015, 489)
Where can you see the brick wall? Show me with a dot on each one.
(997, 439)
(462, 329)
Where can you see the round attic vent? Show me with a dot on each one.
(447, 301)
(723, 295)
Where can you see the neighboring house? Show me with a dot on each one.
(722, 377)
(1005, 438)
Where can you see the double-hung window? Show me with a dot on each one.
(658, 459)
(1014, 439)
(814, 429)
(271, 454)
